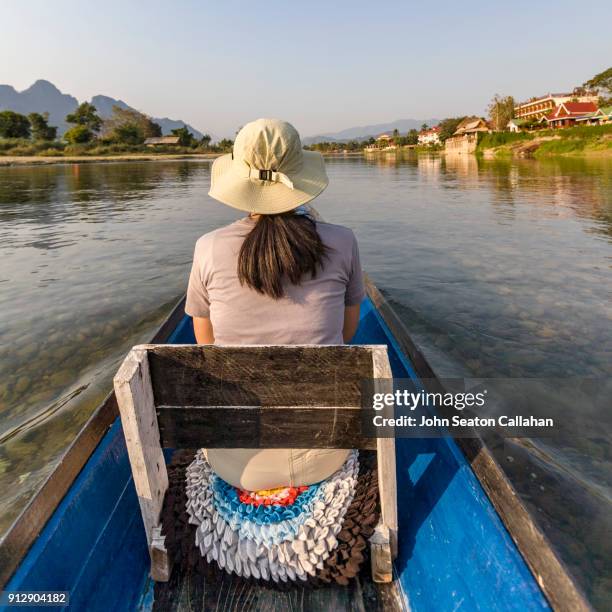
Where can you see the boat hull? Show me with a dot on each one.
(454, 551)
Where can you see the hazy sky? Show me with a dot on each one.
(324, 66)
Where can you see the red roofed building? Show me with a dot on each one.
(566, 113)
(538, 107)
(430, 136)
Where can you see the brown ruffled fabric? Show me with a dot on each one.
(342, 565)
(358, 525)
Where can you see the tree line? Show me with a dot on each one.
(130, 127)
(409, 138)
(125, 126)
(500, 111)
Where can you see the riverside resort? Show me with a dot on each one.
(305, 307)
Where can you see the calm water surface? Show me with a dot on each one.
(498, 270)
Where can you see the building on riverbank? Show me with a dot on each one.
(602, 116)
(465, 138)
(384, 142)
(517, 125)
(538, 107)
(429, 137)
(161, 141)
(568, 113)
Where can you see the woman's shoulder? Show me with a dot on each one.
(235, 228)
(336, 233)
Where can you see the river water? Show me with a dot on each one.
(498, 269)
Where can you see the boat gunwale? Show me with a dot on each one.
(548, 570)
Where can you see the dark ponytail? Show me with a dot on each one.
(279, 248)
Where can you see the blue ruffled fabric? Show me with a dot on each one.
(228, 504)
(274, 542)
(262, 524)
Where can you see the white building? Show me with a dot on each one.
(430, 136)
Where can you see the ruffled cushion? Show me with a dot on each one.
(196, 579)
(274, 541)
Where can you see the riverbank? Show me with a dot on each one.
(36, 160)
(592, 141)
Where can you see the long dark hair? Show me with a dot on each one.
(280, 247)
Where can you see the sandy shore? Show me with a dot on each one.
(12, 160)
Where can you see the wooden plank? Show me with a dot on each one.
(262, 427)
(387, 475)
(196, 375)
(380, 551)
(549, 571)
(161, 564)
(39, 509)
(389, 597)
(211, 589)
(139, 420)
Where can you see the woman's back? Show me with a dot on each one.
(311, 312)
(275, 277)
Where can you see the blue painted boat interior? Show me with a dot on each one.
(454, 551)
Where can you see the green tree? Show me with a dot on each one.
(14, 125)
(602, 83)
(205, 141)
(501, 110)
(531, 124)
(79, 134)
(128, 133)
(424, 127)
(41, 130)
(186, 138)
(129, 126)
(413, 137)
(226, 144)
(150, 128)
(86, 115)
(448, 127)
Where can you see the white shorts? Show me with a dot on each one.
(254, 469)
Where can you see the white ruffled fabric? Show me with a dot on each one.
(253, 550)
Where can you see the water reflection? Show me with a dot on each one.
(92, 256)
(498, 268)
(501, 268)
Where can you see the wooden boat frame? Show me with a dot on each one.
(187, 396)
(549, 572)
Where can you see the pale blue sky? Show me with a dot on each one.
(324, 66)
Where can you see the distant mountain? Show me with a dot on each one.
(41, 97)
(104, 106)
(364, 132)
(167, 125)
(44, 97)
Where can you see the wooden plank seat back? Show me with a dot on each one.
(205, 396)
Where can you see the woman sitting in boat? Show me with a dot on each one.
(277, 276)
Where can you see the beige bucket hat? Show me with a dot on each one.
(268, 172)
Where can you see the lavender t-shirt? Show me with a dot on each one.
(309, 313)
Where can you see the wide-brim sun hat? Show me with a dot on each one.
(268, 172)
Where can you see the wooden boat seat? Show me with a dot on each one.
(192, 396)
